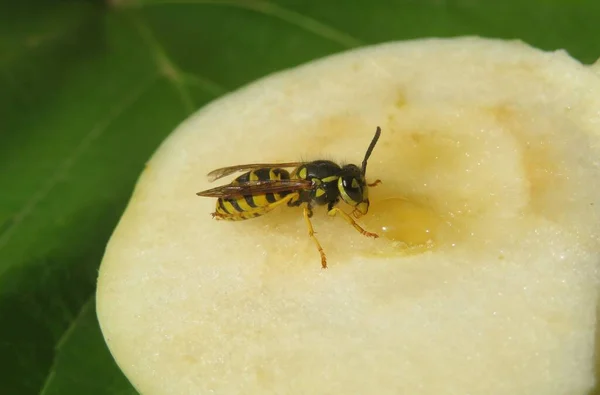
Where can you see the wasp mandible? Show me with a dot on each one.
(267, 186)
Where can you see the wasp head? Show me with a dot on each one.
(353, 188)
(352, 183)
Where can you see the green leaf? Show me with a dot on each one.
(88, 90)
(81, 356)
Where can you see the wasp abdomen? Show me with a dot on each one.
(251, 206)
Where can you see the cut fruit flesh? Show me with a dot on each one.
(484, 277)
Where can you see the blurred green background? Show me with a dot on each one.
(89, 89)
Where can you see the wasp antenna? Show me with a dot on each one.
(370, 149)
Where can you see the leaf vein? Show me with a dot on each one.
(204, 83)
(63, 168)
(267, 8)
(167, 67)
(63, 339)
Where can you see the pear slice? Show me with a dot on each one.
(484, 277)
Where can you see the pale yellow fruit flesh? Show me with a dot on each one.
(484, 278)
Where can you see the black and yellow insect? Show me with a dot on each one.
(267, 186)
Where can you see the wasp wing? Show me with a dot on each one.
(225, 171)
(260, 187)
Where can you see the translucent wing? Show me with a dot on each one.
(225, 171)
(260, 187)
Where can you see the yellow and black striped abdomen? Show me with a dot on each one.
(252, 206)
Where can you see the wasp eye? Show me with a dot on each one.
(352, 189)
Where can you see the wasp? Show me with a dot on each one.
(266, 186)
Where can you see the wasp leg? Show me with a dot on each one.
(374, 184)
(331, 205)
(257, 211)
(217, 215)
(311, 233)
(349, 219)
(356, 214)
(309, 208)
